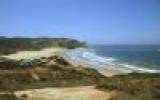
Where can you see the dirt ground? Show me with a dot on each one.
(74, 93)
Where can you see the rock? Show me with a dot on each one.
(35, 76)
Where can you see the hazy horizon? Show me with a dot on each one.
(91, 21)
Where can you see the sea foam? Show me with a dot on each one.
(91, 59)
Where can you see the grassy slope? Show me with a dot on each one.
(60, 74)
(133, 86)
(12, 45)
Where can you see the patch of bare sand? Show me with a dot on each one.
(34, 54)
(74, 93)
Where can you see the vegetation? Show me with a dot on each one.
(61, 74)
(8, 97)
(15, 75)
(12, 45)
(21, 75)
(133, 86)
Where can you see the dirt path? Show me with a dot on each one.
(75, 93)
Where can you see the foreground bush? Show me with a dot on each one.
(133, 86)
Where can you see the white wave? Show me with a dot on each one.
(90, 58)
(139, 69)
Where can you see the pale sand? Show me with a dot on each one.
(74, 93)
(34, 54)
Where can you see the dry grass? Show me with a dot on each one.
(133, 86)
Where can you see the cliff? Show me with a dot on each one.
(12, 45)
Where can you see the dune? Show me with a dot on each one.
(34, 54)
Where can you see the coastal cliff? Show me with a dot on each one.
(43, 71)
(15, 44)
(43, 74)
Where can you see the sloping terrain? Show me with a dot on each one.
(134, 86)
(54, 72)
(15, 44)
(51, 76)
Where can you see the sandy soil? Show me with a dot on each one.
(34, 54)
(74, 93)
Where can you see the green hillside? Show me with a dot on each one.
(12, 45)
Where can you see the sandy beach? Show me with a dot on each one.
(34, 54)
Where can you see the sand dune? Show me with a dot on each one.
(34, 54)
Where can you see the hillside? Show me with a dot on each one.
(134, 86)
(42, 72)
(52, 73)
(12, 45)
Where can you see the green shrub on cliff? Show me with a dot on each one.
(12, 45)
(133, 86)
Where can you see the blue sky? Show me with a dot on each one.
(93, 21)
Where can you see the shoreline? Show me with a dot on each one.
(48, 52)
(106, 71)
(83, 57)
(61, 52)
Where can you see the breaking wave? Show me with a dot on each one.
(89, 58)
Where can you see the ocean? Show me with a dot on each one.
(123, 58)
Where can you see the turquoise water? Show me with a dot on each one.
(127, 58)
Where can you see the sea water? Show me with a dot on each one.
(124, 58)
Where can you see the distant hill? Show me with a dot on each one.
(12, 45)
